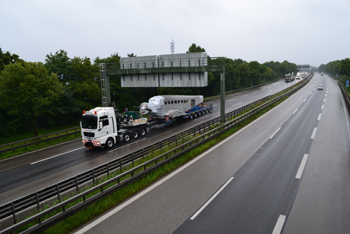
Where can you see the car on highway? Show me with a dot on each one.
(320, 87)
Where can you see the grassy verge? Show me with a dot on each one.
(114, 199)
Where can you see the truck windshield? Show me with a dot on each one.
(89, 121)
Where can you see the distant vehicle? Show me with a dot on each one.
(320, 87)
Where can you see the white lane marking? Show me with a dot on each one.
(275, 133)
(56, 155)
(255, 92)
(279, 224)
(126, 145)
(231, 100)
(212, 198)
(295, 111)
(215, 105)
(305, 100)
(319, 117)
(244, 95)
(237, 104)
(302, 166)
(325, 95)
(322, 107)
(314, 133)
(324, 100)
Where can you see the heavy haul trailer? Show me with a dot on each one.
(166, 108)
(103, 126)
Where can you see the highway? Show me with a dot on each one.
(292, 175)
(31, 172)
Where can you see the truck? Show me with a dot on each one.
(104, 126)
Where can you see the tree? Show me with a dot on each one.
(7, 58)
(132, 55)
(345, 67)
(85, 82)
(27, 90)
(60, 64)
(194, 49)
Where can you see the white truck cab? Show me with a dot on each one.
(99, 127)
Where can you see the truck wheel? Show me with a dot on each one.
(204, 112)
(195, 115)
(199, 114)
(143, 131)
(127, 137)
(109, 143)
(135, 134)
(191, 117)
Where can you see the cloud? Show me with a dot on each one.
(307, 32)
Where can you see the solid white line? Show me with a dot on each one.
(302, 166)
(230, 100)
(275, 133)
(295, 111)
(56, 155)
(212, 198)
(319, 117)
(279, 224)
(314, 133)
(126, 145)
(322, 107)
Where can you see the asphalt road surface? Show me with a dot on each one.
(31, 172)
(287, 172)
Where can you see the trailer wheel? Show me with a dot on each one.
(109, 143)
(143, 131)
(126, 119)
(191, 117)
(199, 114)
(135, 134)
(204, 111)
(195, 115)
(127, 137)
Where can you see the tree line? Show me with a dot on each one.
(339, 69)
(35, 95)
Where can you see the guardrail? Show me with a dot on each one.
(37, 140)
(36, 199)
(344, 93)
(345, 96)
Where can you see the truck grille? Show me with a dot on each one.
(89, 134)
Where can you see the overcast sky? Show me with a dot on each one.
(300, 31)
